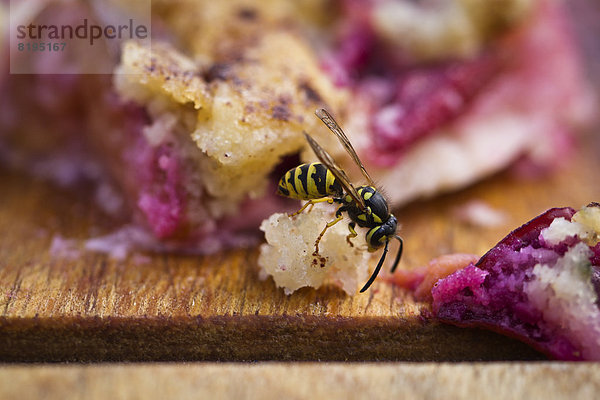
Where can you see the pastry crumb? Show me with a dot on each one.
(288, 254)
(480, 214)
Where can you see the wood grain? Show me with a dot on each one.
(303, 381)
(169, 307)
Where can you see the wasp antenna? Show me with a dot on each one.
(399, 255)
(377, 268)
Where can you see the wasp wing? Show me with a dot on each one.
(328, 161)
(335, 128)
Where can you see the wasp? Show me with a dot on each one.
(325, 181)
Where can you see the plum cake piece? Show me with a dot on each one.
(540, 284)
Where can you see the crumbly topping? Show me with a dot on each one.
(145, 73)
(589, 217)
(564, 293)
(560, 229)
(585, 224)
(243, 115)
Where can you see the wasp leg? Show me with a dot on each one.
(311, 203)
(377, 268)
(397, 260)
(329, 225)
(352, 233)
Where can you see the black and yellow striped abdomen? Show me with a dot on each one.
(309, 181)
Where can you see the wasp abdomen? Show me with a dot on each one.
(309, 181)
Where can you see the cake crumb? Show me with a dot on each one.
(62, 248)
(480, 214)
(119, 244)
(288, 254)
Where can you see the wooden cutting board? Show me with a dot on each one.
(266, 381)
(88, 307)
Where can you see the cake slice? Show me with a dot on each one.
(188, 136)
(540, 284)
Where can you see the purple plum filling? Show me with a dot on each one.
(426, 99)
(409, 102)
(508, 290)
